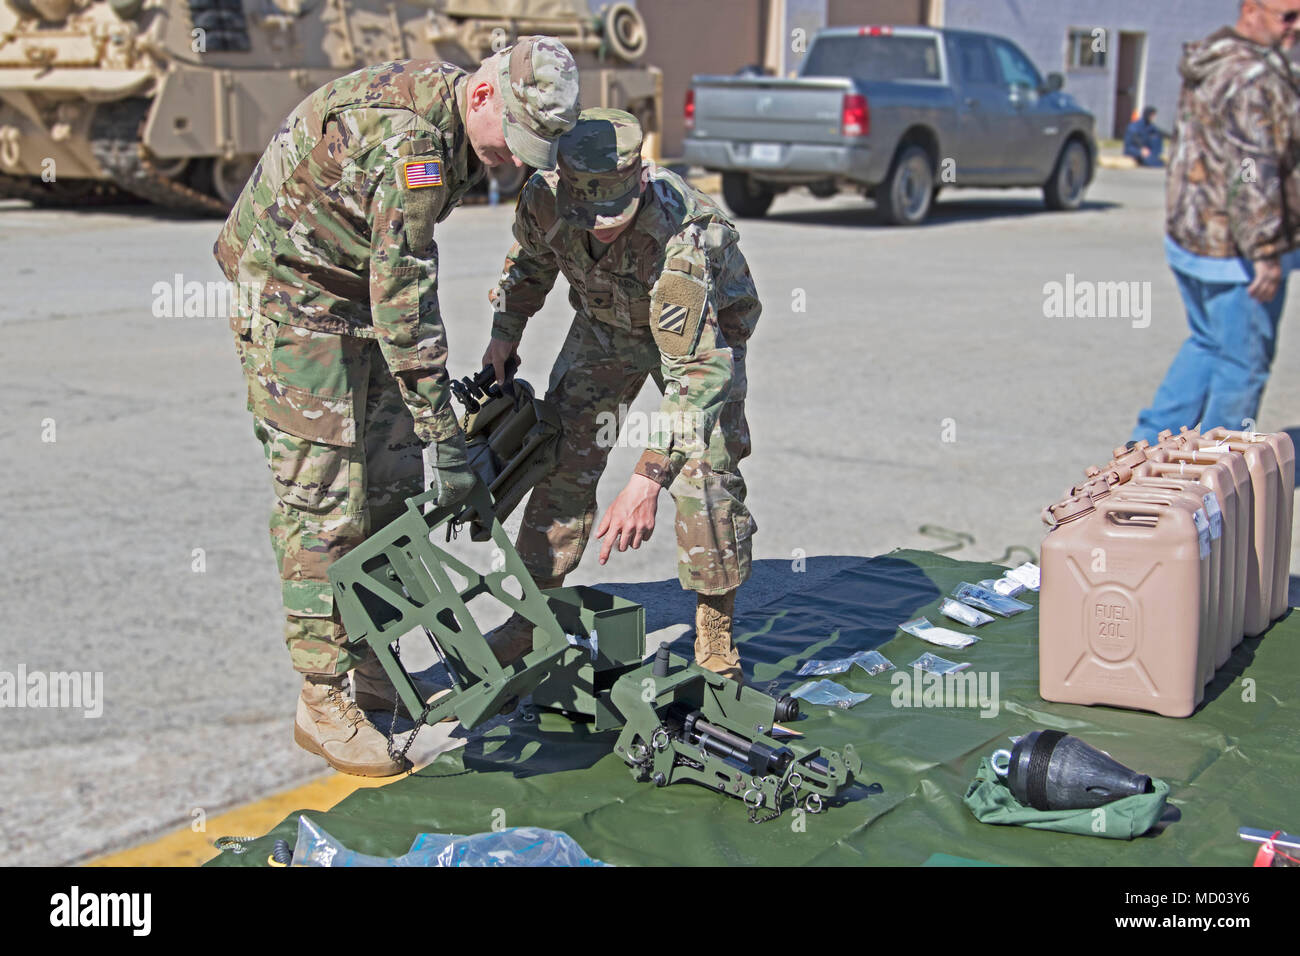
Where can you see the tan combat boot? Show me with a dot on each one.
(513, 639)
(330, 725)
(714, 648)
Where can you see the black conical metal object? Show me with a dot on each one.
(1051, 770)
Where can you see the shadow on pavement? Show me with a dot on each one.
(945, 212)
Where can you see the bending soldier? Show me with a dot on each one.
(343, 347)
(660, 289)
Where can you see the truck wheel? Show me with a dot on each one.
(1064, 191)
(746, 198)
(904, 198)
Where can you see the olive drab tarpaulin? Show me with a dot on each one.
(1234, 762)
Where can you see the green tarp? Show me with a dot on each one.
(1235, 762)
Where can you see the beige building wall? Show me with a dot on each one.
(686, 37)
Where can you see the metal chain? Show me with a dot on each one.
(399, 757)
(235, 844)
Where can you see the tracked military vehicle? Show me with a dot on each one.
(173, 101)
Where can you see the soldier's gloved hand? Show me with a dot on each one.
(452, 478)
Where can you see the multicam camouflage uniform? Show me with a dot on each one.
(343, 347)
(672, 298)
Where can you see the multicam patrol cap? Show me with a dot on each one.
(539, 96)
(600, 170)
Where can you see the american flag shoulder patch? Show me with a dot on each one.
(672, 318)
(426, 172)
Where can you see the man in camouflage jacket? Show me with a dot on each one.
(340, 336)
(1233, 205)
(660, 289)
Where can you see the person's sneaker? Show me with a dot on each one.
(330, 725)
(714, 648)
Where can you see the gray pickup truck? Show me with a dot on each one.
(898, 113)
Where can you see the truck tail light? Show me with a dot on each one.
(855, 120)
(690, 109)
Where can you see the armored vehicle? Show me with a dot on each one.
(173, 101)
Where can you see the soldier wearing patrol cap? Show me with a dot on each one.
(660, 289)
(339, 333)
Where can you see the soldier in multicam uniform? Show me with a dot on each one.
(661, 289)
(343, 346)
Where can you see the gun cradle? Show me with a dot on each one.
(684, 723)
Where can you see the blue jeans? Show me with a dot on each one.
(1218, 376)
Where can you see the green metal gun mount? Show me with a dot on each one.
(686, 723)
(679, 721)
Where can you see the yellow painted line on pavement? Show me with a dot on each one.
(187, 847)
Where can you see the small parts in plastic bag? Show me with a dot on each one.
(980, 597)
(1003, 586)
(963, 613)
(517, 846)
(922, 628)
(873, 662)
(937, 665)
(829, 694)
(1026, 575)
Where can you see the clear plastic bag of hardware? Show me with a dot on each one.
(980, 597)
(842, 664)
(1027, 574)
(819, 668)
(963, 613)
(873, 662)
(827, 693)
(1003, 586)
(516, 846)
(937, 665)
(941, 636)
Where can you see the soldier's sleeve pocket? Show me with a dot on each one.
(305, 388)
(677, 305)
(420, 178)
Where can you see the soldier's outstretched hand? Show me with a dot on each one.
(631, 518)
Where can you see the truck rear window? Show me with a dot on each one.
(874, 58)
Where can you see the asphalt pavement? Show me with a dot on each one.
(899, 379)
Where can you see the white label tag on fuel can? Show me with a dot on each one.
(1202, 532)
(1215, 515)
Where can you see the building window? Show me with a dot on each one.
(1086, 48)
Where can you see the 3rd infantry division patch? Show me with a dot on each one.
(672, 318)
(422, 174)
